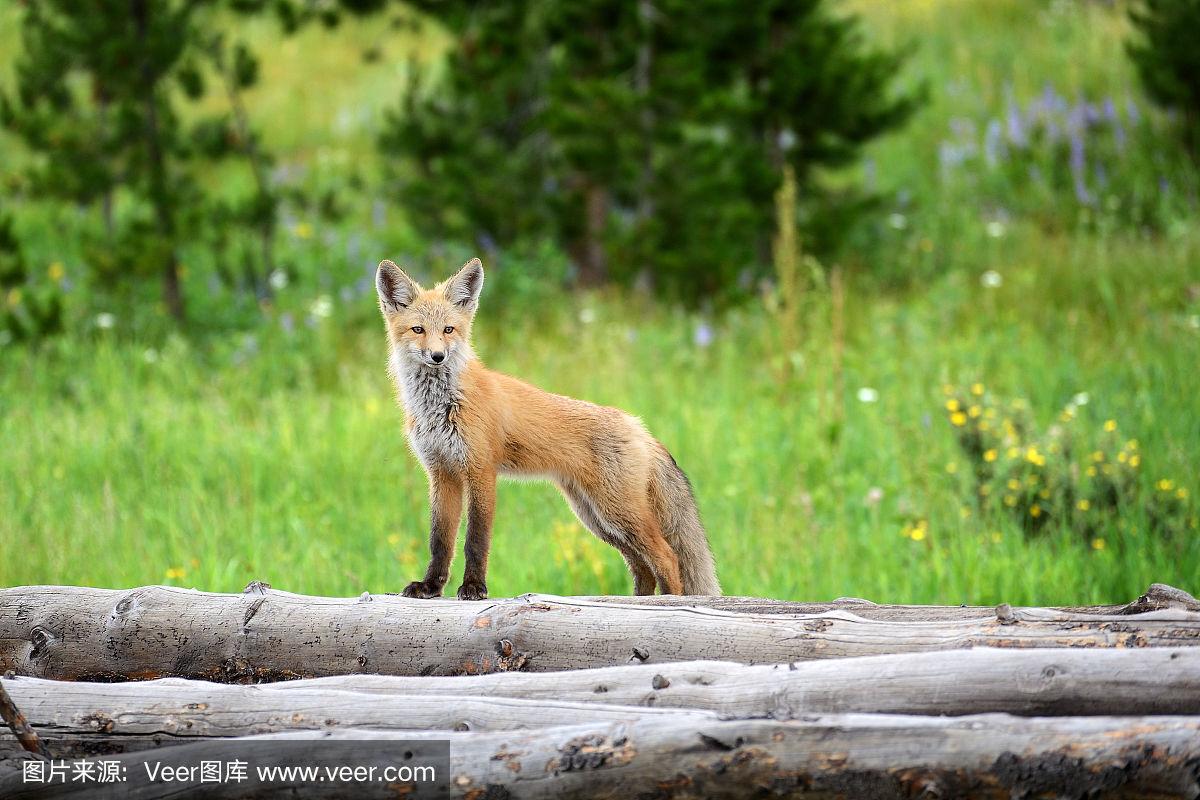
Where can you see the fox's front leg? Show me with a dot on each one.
(481, 509)
(445, 502)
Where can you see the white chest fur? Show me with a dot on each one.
(431, 399)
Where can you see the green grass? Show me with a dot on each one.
(211, 460)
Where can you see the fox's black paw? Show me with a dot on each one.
(422, 589)
(472, 590)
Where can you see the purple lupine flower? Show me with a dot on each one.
(992, 143)
(1101, 175)
(1016, 126)
(1114, 120)
(346, 293)
(703, 335)
(1131, 111)
(287, 322)
(1075, 129)
(362, 286)
(949, 158)
(353, 246)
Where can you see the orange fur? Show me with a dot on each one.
(469, 425)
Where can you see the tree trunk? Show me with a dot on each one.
(844, 755)
(77, 633)
(172, 291)
(591, 258)
(82, 718)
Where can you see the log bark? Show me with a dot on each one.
(82, 718)
(836, 755)
(1159, 596)
(74, 633)
(1050, 682)
(76, 718)
(16, 721)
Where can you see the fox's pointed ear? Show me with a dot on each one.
(396, 290)
(464, 288)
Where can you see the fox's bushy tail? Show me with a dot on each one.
(675, 506)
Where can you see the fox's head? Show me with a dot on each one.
(429, 327)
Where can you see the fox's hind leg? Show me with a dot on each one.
(639, 567)
(649, 540)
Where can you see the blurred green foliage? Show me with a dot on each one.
(260, 440)
(1167, 59)
(645, 139)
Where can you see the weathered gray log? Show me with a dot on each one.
(16, 721)
(1033, 682)
(83, 718)
(78, 633)
(1159, 596)
(837, 755)
(106, 717)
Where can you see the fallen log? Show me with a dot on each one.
(75, 633)
(80, 718)
(1035, 682)
(837, 755)
(1158, 596)
(77, 719)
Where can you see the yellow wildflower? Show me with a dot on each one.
(958, 419)
(952, 467)
(1098, 456)
(1097, 544)
(918, 534)
(394, 539)
(1083, 505)
(1121, 456)
(56, 271)
(989, 455)
(1035, 511)
(174, 573)
(303, 230)
(14, 298)
(952, 405)
(1181, 493)
(1165, 485)
(1010, 500)
(1014, 484)
(1134, 460)
(996, 537)
(1110, 425)
(1091, 471)
(1132, 444)
(974, 411)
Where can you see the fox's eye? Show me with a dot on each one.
(448, 329)
(418, 329)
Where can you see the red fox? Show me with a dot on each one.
(468, 425)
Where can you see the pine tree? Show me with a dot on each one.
(100, 90)
(1168, 59)
(641, 135)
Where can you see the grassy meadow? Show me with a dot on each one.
(831, 451)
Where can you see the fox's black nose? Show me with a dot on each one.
(438, 357)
